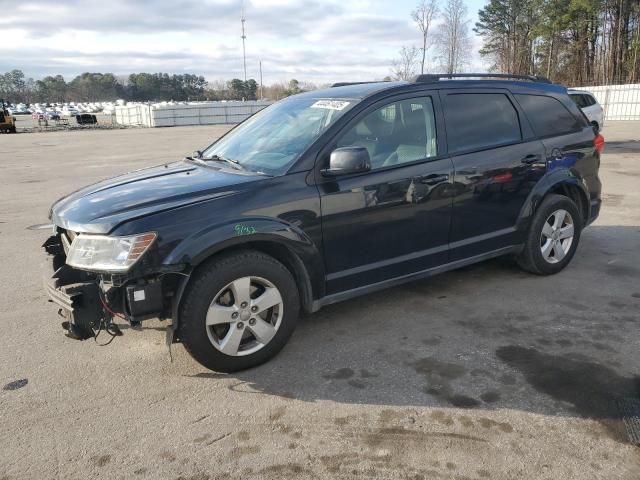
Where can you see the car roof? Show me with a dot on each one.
(354, 90)
(363, 90)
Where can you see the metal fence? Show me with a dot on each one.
(203, 113)
(620, 102)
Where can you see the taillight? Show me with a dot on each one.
(598, 143)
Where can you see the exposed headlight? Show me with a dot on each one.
(108, 254)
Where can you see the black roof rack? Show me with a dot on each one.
(434, 77)
(346, 84)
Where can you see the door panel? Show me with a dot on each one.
(491, 188)
(386, 224)
(497, 162)
(395, 219)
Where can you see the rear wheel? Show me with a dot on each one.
(553, 236)
(239, 311)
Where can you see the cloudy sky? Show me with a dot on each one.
(319, 41)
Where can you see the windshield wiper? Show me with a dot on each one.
(197, 157)
(219, 158)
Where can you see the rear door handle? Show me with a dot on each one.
(434, 179)
(529, 159)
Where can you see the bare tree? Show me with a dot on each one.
(452, 37)
(423, 15)
(404, 68)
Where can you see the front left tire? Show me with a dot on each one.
(238, 311)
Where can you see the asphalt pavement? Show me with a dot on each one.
(481, 373)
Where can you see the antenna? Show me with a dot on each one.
(244, 37)
(261, 96)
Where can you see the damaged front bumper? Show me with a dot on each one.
(75, 292)
(89, 301)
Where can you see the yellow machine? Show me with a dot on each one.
(7, 121)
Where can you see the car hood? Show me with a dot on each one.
(101, 207)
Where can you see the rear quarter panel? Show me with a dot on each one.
(575, 153)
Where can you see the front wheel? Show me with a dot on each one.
(239, 311)
(553, 236)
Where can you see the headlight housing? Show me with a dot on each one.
(108, 254)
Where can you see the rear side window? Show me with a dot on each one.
(579, 99)
(589, 100)
(548, 116)
(480, 120)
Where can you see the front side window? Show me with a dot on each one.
(547, 115)
(398, 133)
(480, 120)
(274, 138)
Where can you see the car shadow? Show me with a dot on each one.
(487, 336)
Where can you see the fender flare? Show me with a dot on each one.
(548, 183)
(197, 248)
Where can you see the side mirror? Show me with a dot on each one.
(346, 160)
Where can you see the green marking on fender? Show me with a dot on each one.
(244, 229)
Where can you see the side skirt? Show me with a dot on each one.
(392, 282)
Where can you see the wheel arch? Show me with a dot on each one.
(576, 194)
(560, 182)
(285, 255)
(284, 242)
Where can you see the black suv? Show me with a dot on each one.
(322, 197)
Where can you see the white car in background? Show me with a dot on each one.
(590, 106)
(69, 111)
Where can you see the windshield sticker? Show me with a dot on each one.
(331, 104)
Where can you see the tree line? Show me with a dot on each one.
(573, 42)
(15, 87)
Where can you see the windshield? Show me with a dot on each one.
(273, 139)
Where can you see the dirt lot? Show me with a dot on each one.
(482, 373)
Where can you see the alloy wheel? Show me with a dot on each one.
(244, 316)
(557, 236)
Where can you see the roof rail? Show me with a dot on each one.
(434, 77)
(346, 84)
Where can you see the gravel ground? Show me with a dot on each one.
(481, 373)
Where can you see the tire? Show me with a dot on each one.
(217, 280)
(539, 255)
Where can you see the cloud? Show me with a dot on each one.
(321, 41)
(42, 17)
